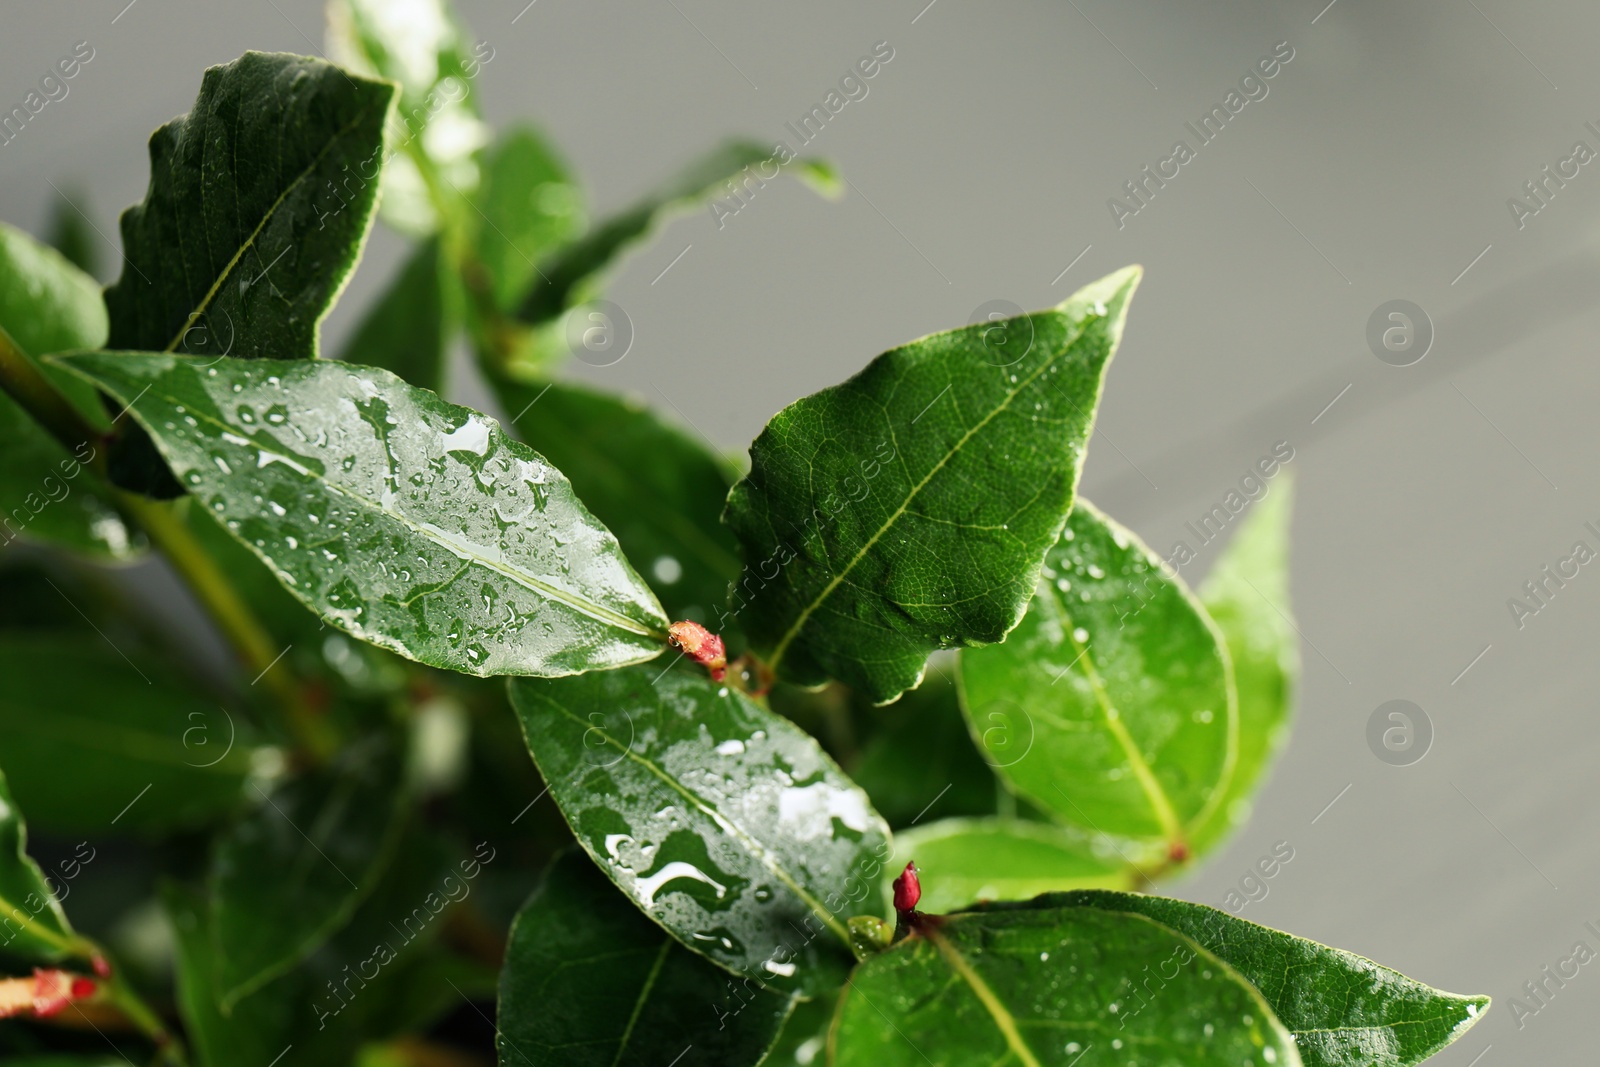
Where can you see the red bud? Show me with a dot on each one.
(907, 890)
(101, 965)
(700, 645)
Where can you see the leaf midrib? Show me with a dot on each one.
(1003, 1019)
(755, 847)
(644, 995)
(806, 613)
(249, 242)
(549, 592)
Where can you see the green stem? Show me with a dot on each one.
(21, 378)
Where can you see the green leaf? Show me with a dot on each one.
(409, 522)
(438, 128)
(1111, 704)
(725, 823)
(910, 508)
(94, 742)
(528, 207)
(32, 922)
(965, 860)
(589, 982)
(291, 873)
(48, 305)
(804, 1038)
(659, 490)
(571, 276)
(1342, 1010)
(71, 235)
(408, 330)
(1247, 594)
(1052, 987)
(242, 244)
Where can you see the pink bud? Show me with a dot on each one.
(700, 645)
(907, 890)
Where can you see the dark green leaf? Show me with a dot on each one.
(1111, 704)
(965, 860)
(71, 235)
(529, 207)
(1053, 987)
(32, 922)
(47, 305)
(1343, 1010)
(1248, 596)
(94, 743)
(803, 1041)
(438, 127)
(589, 982)
(569, 278)
(242, 243)
(659, 490)
(292, 872)
(723, 821)
(409, 522)
(910, 508)
(408, 330)
(919, 762)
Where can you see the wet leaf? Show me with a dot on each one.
(408, 329)
(96, 743)
(409, 522)
(47, 305)
(875, 524)
(33, 924)
(724, 822)
(570, 277)
(589, 982)
(1053, 987)
(437, 129)
(658, 489)
(1111, 704)
(1342, 1010)
(291, 873)
(1247, 594)
(966, 860)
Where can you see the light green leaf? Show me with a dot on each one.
(571, 276)
(409, 522)
(1053, 987)
(48, 305)
(724, 822)
(1111, 704)
(408, 330)
(967, 860)
(94, 743)
(910, 508)
(589, 982)
(241, 244)
(291, 873)
(438, 127)
(33, 924)
(528, 207)
(1247, 593)
(1342, 1010)
(659, 490)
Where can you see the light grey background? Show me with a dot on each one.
(1378, 167)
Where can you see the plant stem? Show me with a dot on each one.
(23, 381)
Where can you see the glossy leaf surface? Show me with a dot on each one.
(568, 278)
(48, 305)
(725, 823)
(1247, 594)
(1111, 704)
(1343, 1010)
(910, 508)
(589, 982)
(966, 860)
(409, 522)
(96, 743)
(241, 245)
(1051, 987)
(293, 870)
(658, 489)
(32, 922)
